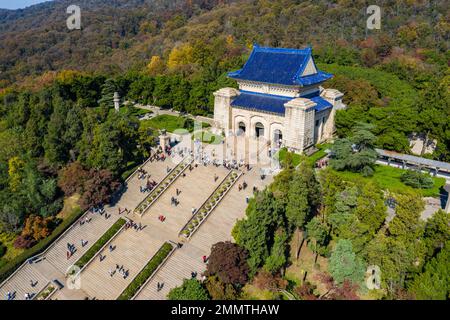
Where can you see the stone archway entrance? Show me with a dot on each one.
(277, 138)
(259, 130)
(241, 128)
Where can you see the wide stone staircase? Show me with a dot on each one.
(20, 283)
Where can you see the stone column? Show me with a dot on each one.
(334, 97)
(164, 139)
(222, 109)
(116, 101)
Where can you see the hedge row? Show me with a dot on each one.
(12, 265)
(100, 243)
(145, 273)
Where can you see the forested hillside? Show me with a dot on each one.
(117, 35)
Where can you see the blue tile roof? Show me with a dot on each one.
(279, 66)
(273, 103)
(321, 103)
(261, 102)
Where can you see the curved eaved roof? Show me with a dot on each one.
(279, 66)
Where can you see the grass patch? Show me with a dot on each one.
(250, 292)
(70, 204)
(7, 269)
(388, 178)
(312, 159)
(319, 154)
(100, 243)
(146, 272)
(168, 122)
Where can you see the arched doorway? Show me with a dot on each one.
(277, 138)
(259, 130)
(241, 128)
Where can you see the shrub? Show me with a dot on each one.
(219, 290)
(24, 242)
(146, 272)
(191, 289)
(417, 179)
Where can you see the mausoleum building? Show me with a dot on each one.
(280, 98)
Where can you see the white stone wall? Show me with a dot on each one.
(335, 98)
(250, 118)
(299, 124)
(320, 130)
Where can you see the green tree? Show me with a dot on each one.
(56, 151)
(437, 232)
(256, 232)
(317, 235)
(396, 258)
(107, 94)
(278, 257)
(303, 197)
(345, 265)
(406, 222)
(219, 290)
(356, 153)
(434, 282)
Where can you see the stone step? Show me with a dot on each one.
(20, 283)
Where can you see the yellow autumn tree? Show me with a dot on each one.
(230, 40)
(155, 66)
(67, 75)
(15, 167)
(37, 227)
(180, 56)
